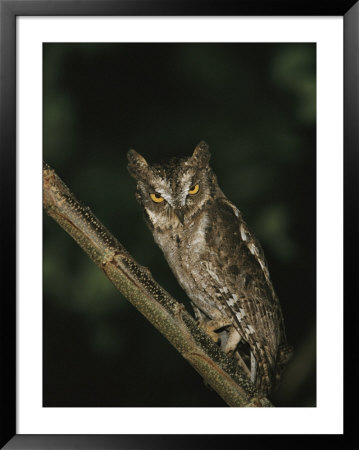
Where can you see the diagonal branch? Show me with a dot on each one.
(135, 282)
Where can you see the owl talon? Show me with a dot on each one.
(211, 326)
(233, 340)
(208, 329)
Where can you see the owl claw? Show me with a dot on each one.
(232, 342)
(211, 326)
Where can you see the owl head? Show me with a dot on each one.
(174, 191)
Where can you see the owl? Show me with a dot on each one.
(216, 259)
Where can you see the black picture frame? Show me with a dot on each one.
(9, 10)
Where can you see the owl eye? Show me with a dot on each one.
(194, 189)
(156, 198)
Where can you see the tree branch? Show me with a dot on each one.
(135, 282)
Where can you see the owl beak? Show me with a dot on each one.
(180, 215)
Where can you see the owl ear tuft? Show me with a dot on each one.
(201, 155)
(137, 165)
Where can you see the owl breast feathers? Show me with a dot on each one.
(216, 260)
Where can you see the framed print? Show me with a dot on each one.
(98, 93)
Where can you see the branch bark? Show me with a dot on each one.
(135, 282)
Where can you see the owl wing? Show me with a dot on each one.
(247, 290)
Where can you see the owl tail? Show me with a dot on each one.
(269, 376)
(264, 382)
(265, 373)
(285, 352)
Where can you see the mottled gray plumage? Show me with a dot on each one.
(216, 260)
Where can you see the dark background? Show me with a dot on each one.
(255, 104)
